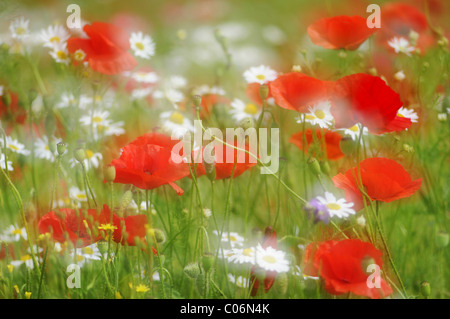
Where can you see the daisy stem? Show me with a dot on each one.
(88, 183)
(37, 75)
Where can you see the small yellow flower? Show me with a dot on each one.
(118, 295)
(10, 268)
(27, 294)
(16, 288)
(107, 227)
(142, 288)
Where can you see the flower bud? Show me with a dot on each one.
(61, 148)
(192, 270)
(202, 284)
(442, 239)
(425, 289)
(373, 71)
(314, 165)
(197, 100)
(157, 235)
(208, 261)
(79, 155)
(247, 123)
(210, 170)
(263, 91)
(110, 173)
(325, 167)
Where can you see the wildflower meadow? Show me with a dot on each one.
(224, 149)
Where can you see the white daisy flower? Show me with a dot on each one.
(25, 259)
(207, 212)
(442, 117)
(239, 281)
(77, 195)
(234, 239)
(319, 114)
(241, 255)
(361, 221)
(175, 123)
(260, 74)
(142, 45)
(239, 110)
(19, 28)
(401, 45)
(144, 77)
(86, 254)
(112, 129)
(3, 164)
(138, 94)
(206, 89)
(271, 259)
(13, 233)
(42, 149)
(60, 53)
(67, 99)
(355, 131)
(408, 113)
(79, 55)
(14, 146)
(176, 82)
(98, 118)
(336, 207)
(92, 159)
(54, 35)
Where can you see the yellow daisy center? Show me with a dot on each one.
(319, 114)
(261, 77)
(354, 128)
(61, 55)
(79, 55)
(251, 109)
(80, 258)
(55, 39)
(13, 147)
(81, 196)
(177, 118)
(88, 251)
(17, 231)
(232, 238)
(21, 30)
(47, 148)
(270, 259)
(333, 206)
(140, 46)
(247, 252)
(25, 257)
(97, 119)
(89, 153)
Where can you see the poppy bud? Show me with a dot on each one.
(157, 235)
(197, 99)
(247, 123)
(110, 173)
(202, 284)
(52, 146)
(126, 199)
(425, 289)
(192, 270)
(210, 170)
(61, 148)
(6, 98)
(263, 91)
(207, 261)
(373, 71)
(325, 167)
(314, 165)
(79, 155)
(442, 240)
(347, 145)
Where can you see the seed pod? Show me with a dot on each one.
(202, 284)
(314, 165)
(110, 173)
(207, 261)
(157, 234)
(79, 155)
(325, 167)
(61, 148)
(192, 270)
(425, 289)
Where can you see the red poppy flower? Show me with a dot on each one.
(252, 92)
(148, 163)
(366, 99)
(10, 108)
(270, 240)
(332, 142)
(340, 32)
(383, 179)
(82, 227)
(240, 161)
(343, 264)
(106, 48)
(296, 91)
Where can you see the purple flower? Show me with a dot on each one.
(317, 210)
